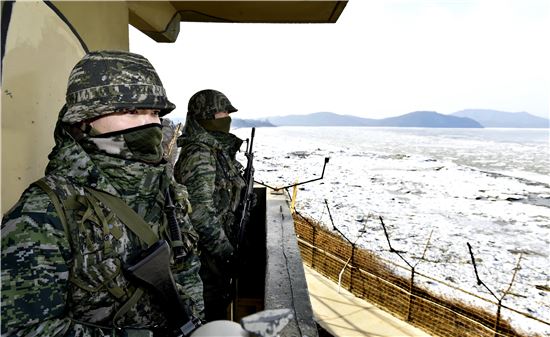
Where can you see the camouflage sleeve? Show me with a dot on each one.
(34, 269)
(196, 169)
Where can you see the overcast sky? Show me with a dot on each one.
(382, 58)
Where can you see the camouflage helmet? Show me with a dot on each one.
(104, 81)
(206, 103)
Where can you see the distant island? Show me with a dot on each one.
(248, 123)
(470, 118)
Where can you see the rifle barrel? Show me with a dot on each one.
(251, 139)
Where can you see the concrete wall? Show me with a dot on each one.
(285, 281)
(43, 43)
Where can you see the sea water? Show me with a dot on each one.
(434, 188)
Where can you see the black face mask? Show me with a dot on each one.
(142, 143)
(220, 124)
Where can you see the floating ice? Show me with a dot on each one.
(484, 186)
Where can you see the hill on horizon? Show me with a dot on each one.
(414, 119)
(429, 119)
(319, 119)
(501, 119)
(468, 118)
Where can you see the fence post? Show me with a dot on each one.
(497, 320)
(411, 290)
(313, 248)
(499, 300)
(361, 231)
(351, 267)
(411, 284)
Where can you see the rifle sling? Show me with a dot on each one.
(57, 204)
(128, 305)
(128, 216)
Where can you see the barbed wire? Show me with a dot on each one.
(409, 266)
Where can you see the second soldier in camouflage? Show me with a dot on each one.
(208, 168)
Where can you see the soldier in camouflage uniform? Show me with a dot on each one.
(63, 250)
(208, 168)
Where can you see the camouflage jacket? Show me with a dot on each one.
(208, 168)
(60, 281)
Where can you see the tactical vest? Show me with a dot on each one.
(103, 240)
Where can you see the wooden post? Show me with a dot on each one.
(411, 289)
(352, 265)
(293, 200)
(497, 321)
(313, 249)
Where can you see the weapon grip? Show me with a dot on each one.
(154, 271)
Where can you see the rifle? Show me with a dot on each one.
(180, 244)
(171, 144)
(153, 270)
(245, 203)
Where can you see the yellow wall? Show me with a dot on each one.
(101, 24)
(40, 53)
(41, 50)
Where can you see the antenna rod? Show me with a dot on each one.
(296, 184)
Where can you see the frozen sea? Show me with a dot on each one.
(488, 187)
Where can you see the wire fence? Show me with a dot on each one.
(372, 278)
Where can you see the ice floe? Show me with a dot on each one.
(488, 187)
